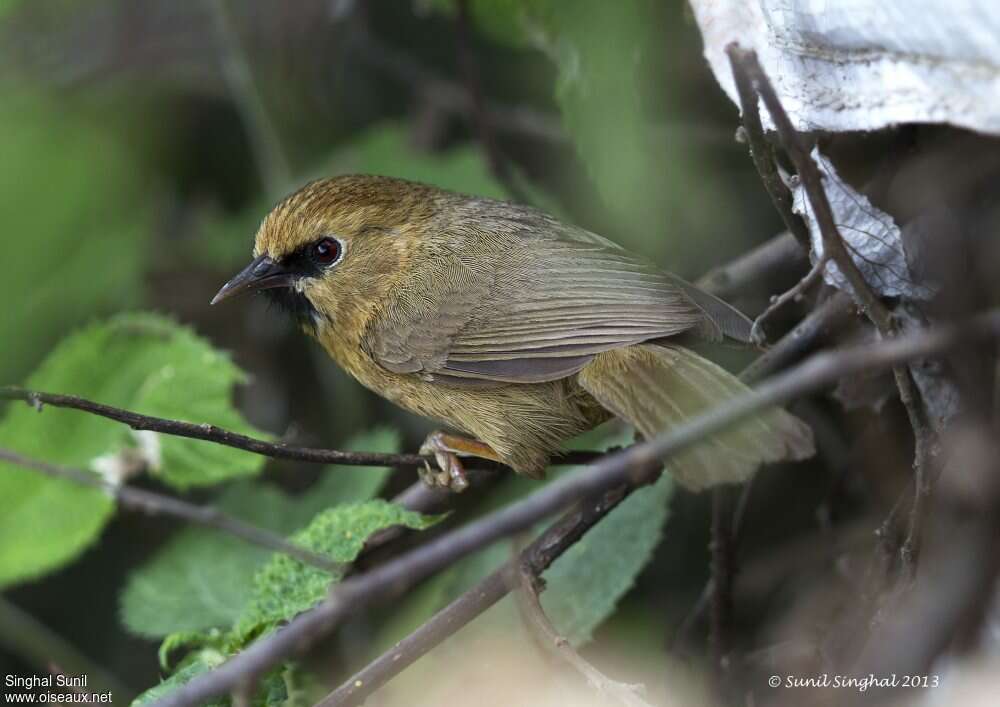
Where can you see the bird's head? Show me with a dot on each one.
(332, 249)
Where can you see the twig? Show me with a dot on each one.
(778, 254)
(761, 153)
(722, 571)
(957, 583)
(228, 438)
(757, 334)
(745, 63)
(819, 323)
(534, 615)
(28, 638)
(537, 557)
(264, 140)
(155, 504)
(495, 158)
(629, 466)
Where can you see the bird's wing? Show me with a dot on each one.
(503, 306)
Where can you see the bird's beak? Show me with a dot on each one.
(261, 274)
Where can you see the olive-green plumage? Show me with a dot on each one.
(507, 325)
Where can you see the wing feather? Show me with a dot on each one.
(532, 300)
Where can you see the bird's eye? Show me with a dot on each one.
(326, 251)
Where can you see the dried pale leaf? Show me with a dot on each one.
(871, 236)
(866, 64)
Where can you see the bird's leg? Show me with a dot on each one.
(446, 449)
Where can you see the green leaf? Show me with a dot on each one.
(285, 587)
(141, 362)
(203, 579)
(586, 582)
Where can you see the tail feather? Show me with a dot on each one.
(655, 388)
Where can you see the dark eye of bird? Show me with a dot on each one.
(326, 251)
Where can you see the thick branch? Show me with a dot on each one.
(762, 155)
(537, 557)
(629, 466)
(155, 504)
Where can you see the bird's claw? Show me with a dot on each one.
(450, 473)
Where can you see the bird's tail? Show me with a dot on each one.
(657, 387)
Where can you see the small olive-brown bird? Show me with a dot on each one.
(512, 328)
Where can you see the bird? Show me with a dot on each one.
(513, 329)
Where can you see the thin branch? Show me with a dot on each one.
(629, 466)
(228, 438)
(804, 337)
(534, 615)
(470, 70)
(155, 504)
(747, 67)
(264, 140)
(757, 334)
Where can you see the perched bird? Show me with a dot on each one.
(508, 326)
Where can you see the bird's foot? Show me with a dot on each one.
(446, 450)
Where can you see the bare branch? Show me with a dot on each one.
(228, 438)
(757, 334)
(630, 466)
(762, 154)
(156, 504)
(552, 641)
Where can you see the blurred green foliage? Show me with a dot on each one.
(74, 214)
